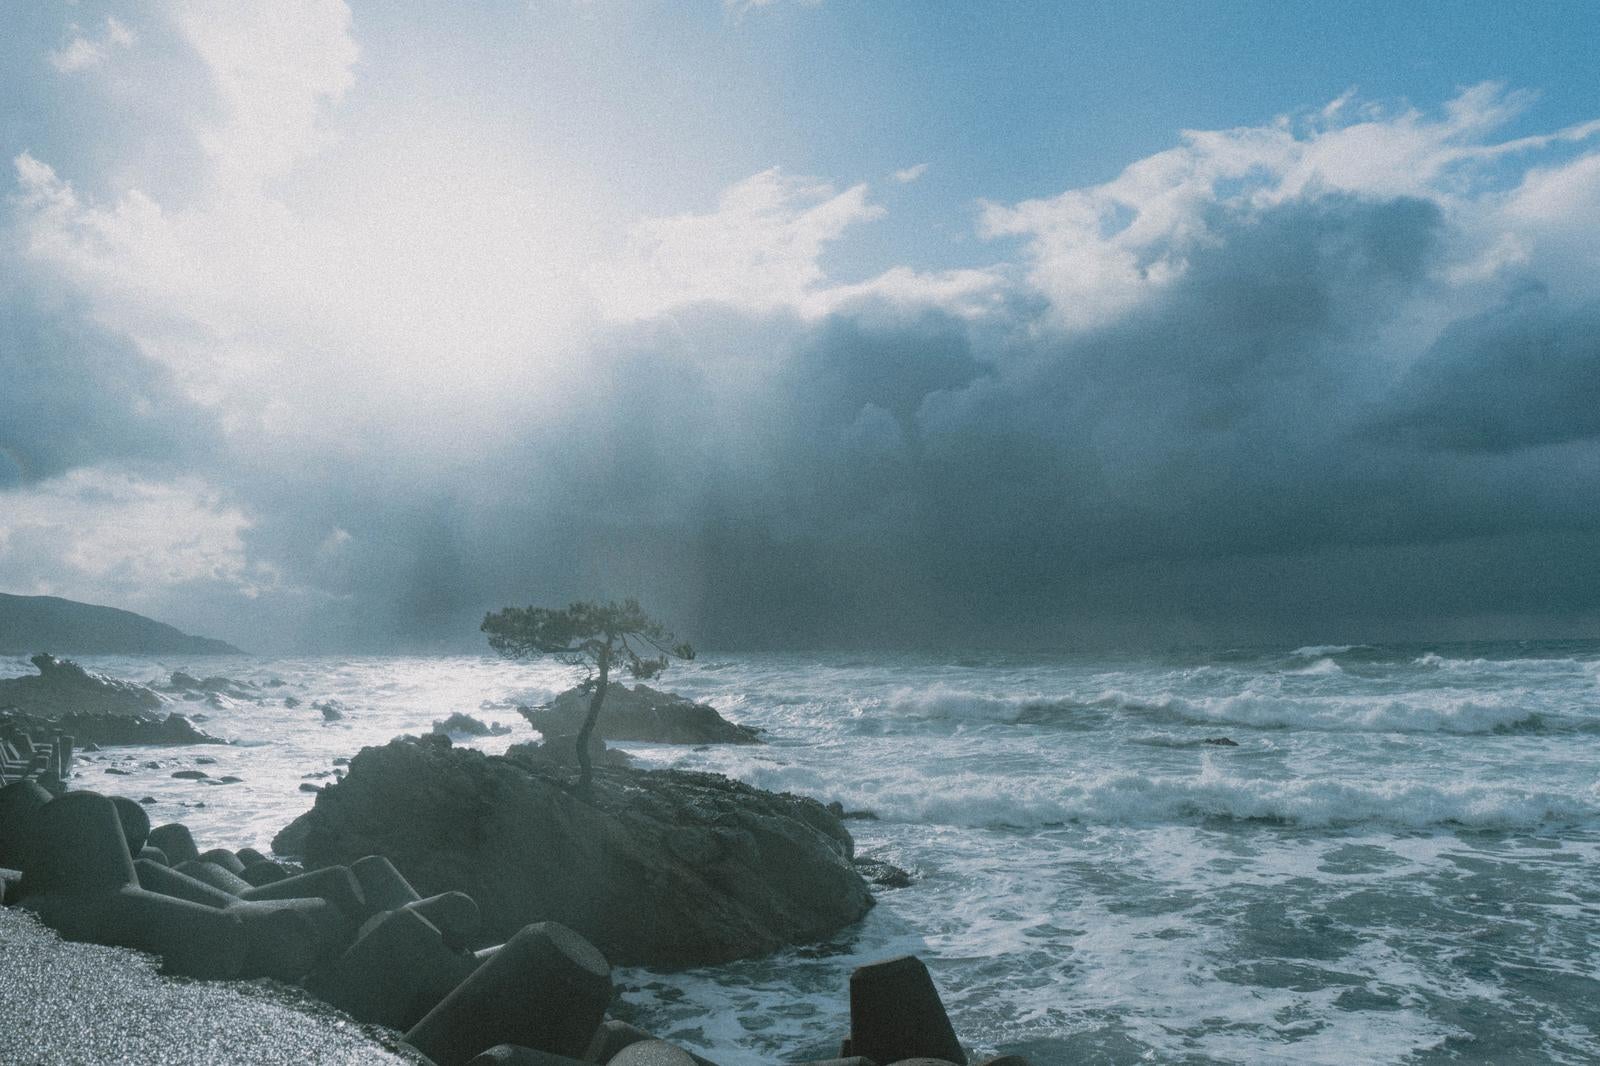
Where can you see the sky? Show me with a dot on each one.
(329, 326)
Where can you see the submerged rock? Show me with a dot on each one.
(664, 868)
(332, 710)
(464, 725)
(62, 687)
(196, 688)
(640, 713)
(114, 730)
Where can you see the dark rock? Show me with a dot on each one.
(191, 687)
(265, 872)
(1221, 742)
(290, 701)
(883, 874)
(464, 725)
(896, 1013)
(113, 730)
(174, 839)
(62, 687)
(1006, 1060)
(341, 761)
(640, 713)
(249, 856)
(191, 775)
(114, 770)
(853, 1060)
(393, 974)
(155, 855)
(306, 786)
(663, 868)
(332, 710)
(562, 750)
(135, 823)
(546, 989)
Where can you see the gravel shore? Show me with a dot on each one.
(66, 1004)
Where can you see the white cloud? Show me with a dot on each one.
(761, 250)
(275, 67)
(83, 52)
(1096, 252)
(104, 535)
(758, 250)
(910, 174)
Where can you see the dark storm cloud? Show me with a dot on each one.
(1518, 376)
(1240, 456)
(73, 394)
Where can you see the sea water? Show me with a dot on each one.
(1397, 858)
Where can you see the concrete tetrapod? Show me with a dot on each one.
(395, 972)
(135, 823)
(614, 1035)
(333, 883)
(19, 802)
(652, 1053)
(384, 887)
(896, 1013)
(512, 1055)
(213, 875)
(175, 840)
(82, 883)
(454, 914)
(547, 988)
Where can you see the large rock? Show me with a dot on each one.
(114, 730)
(662, 868)
(63, 687)
(640, 713)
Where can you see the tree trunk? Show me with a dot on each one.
(585, 770)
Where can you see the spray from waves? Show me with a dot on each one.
(1427, 711)
(1318, 651)
(1321, 668)
(1419, 712)
(1123, 798)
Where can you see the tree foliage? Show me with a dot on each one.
(594, 636)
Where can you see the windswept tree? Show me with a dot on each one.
(593, 636)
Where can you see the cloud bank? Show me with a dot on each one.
(351, 385)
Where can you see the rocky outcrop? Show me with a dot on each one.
(663, 868)
(640, 713)
(464, 725)
(63, 687)
(189, 687)
(113, 730)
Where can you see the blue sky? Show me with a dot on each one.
(808, 322)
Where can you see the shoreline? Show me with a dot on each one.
(79, 1004)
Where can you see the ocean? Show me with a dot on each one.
(1393, 860)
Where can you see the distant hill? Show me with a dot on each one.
(65, 627)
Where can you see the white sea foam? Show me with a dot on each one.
(1129, 798)
(1416, 712)
(1317, 651)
